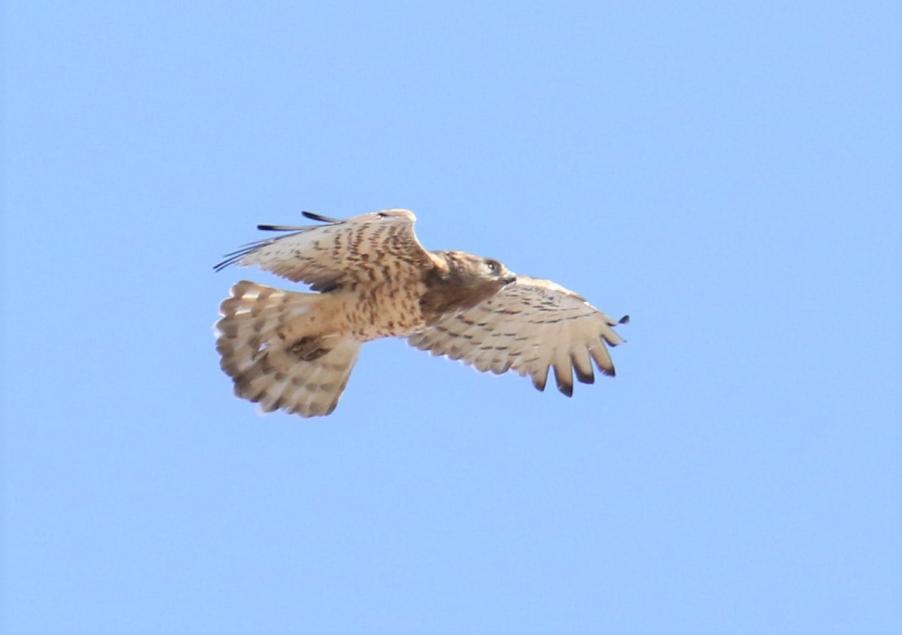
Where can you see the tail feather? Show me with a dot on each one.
(273, 356)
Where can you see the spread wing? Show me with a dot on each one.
(528, 326)
(360, 249)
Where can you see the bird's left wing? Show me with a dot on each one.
(528, 326)
(364, 248)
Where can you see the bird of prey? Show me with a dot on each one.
(372, 278)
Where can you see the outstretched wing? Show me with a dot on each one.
(364, 249)
(528, 326)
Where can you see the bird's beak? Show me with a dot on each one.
(509, 279)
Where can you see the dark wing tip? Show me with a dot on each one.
(539, 382)
(230, 260)
(584, 378)
(236, 256)
(279, 228)
(320, 217)
(564, 380)
(624, 320)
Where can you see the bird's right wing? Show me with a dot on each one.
(366, 248)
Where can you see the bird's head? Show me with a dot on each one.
(474, 271)
(460, 281)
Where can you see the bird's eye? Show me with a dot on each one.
(493, 266)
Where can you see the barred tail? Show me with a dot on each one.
(271, 349)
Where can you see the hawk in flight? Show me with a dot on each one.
(372, 278)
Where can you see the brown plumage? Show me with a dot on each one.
(295, 351)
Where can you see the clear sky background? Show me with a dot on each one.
(726, 173)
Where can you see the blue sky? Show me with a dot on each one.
(726, 173)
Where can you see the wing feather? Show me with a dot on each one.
(530, 327)
(360, 249)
